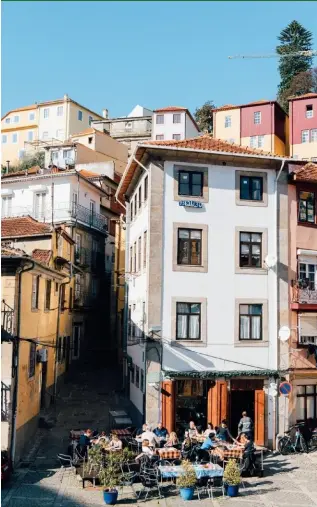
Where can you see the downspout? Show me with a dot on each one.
(15, 364)
(117, 280)
(57, 335)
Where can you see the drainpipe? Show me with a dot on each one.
(117, 278)
(57, 335)
(15, 364)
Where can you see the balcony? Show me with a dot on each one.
(87, 258)
(5, 402)
(7, 321)
(304, 292)
(84, 299)
(89, 217)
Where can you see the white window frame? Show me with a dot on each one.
(67, 153)
(313, 136)
(159, 116)
(30, 135)
(159, 137)
(257, 118)
(178, 138)
(60, 134)
(307, 263)
(80, 115)
(253, 142)
(260, 141)
(60, 111)
(15, 135)
(177, 116)
(8, 120)
(305, 136)
(46, 113)
(309, 113)
(4, 138)
(44, 135)
(6, 206)
(306, 339)
(228, 122)
(31, 116)
(54, 155)
(16, 119)
(39, 209)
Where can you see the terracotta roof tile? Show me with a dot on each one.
(42, 256)
(18, 109)
(306, 173)
(32, 170)
(170, 108)
(209, 143)
(88, 174)
(255, 103)
(85, 132)
(304, 96)
(23, 226)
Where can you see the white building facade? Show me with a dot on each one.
(173, 123)
(203, 306)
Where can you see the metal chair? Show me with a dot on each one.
(203, 486)
(66, 463)
(149, 482)
(128, 479)
(216, 483)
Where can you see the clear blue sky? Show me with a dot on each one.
(118, 54)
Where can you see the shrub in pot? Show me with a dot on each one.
(109, 478)
(186, 481)
(232, 478)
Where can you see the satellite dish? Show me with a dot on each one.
(284, 333)
(270, 261)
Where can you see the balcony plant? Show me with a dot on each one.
(186, 481)
(232, 478)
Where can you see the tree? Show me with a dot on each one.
(204, 117)
(28, 161)
(292, 39)
(304, 82)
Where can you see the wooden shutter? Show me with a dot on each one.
(219, 400)
(259, 434)
(168, 405)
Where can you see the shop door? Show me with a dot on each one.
(259, 410)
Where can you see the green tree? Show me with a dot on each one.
(28, 161)
(204, 117)
(293, 38)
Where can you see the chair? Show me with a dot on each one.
(203, 486)
(216, 483)
(66, 463)
(128, 479)
(150, 482)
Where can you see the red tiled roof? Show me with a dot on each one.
(255, 103)
(85, 132)
(170, 108)
(304, 96)
(88, 174)
(42, 256)
(306, 173)
(32, 170)
(18, 109)
(209, 143)
(23, 226)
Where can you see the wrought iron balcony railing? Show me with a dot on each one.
(7, 318)
(5, 401)
(304, 292)
(89, 217)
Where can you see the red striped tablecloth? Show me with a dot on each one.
(121, 433)
(222, 453)
(166, 453)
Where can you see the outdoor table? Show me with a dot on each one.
(210, 470)
(227, 453)
(121, 433)
(168, 453)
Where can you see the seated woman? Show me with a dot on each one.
(210, 430)
(115, 443)
(147, 450)
(172, 440)
(223, 434)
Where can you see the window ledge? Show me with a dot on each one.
(245, 202)
(188, 343)
(189, 268)
(251, 343)
(35, 310)
(251, 271)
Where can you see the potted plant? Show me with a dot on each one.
(109, 478)
(232, 478)
(186, 481)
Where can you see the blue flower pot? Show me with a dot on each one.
(110, 497)
(233, 490)
(186, 493)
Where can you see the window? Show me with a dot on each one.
(6, 206)
(63, 298)
(190, 183)
(32, 359)
(144, 249)
(128, 125)
(76, 341)
(256, 141)
(90, 119)
(92, 207)
(132, 373)
(48, 289)
(31, 116)
(305, 136)
(139, 253)
(35, 292)
(307, 207)
(30, 135)
(90, 139)
(307, 326)
(146, 183)
(8, 120)
(132, 209)
(253, 141)
(260, 141)
(176, 118)
(16, 119)
(257, 117)
(160, 119)
(314, 159)
(70, 302)
(80, 115)
(309, 111)
(45, 135)
(135, 204)
(159, 137)
(313, 135)
(39, 205)
(78, 280)
(129, 321)
(250, 250)
(60, 110)
(227, 121)
(251, 188)
(142, 381)
(134, 257)
(14, 138)
(188, 321)
(67, 154)
(250, 322)
(306, 406)
(307, 275)
(60, 133)
(137, 376)
(140, 196)
(131, 259)
(46, 113)
(21, 154)
(189, 246)
(4, 139)
(176, 137)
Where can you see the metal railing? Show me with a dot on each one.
(84, 299)
(7, 317)
(88, 258)
(304, 292)
(5, 401)
(89, 217)
(307, 340)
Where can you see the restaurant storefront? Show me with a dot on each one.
(212, 401)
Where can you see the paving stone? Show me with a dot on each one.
(289, 498)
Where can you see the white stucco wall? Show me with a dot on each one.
(191, 129)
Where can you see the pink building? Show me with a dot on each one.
(303, 127)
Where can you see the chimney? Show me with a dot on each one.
(65, 97)
(8, 166)
(105, 113)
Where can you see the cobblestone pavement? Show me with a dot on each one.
(288, 480)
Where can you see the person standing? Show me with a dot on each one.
(245, 425)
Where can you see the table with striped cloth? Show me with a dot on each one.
(234, 452)
(121, 433)
(168, 453)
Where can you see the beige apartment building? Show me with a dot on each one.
(26, 128)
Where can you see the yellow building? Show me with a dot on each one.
(37, 308)
(24, 128)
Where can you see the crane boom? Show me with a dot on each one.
(312, 52)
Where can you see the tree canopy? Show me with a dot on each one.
(204, 117)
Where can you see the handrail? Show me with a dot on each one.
(7, 314)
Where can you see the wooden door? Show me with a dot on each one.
(219, 400)
(168, 405)
(259, 411)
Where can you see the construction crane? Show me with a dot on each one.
(312, 52)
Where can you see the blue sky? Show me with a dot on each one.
(115, 55)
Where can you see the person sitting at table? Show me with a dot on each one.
(210, 430)
(101, 438)
(141, 430)
(248, 454)
(172, 440)
(192, 430)
(223, 432)
(85, 442)
(160, 431)
(208, 444)
(150, 436)
(115, 443)
(147, 450)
